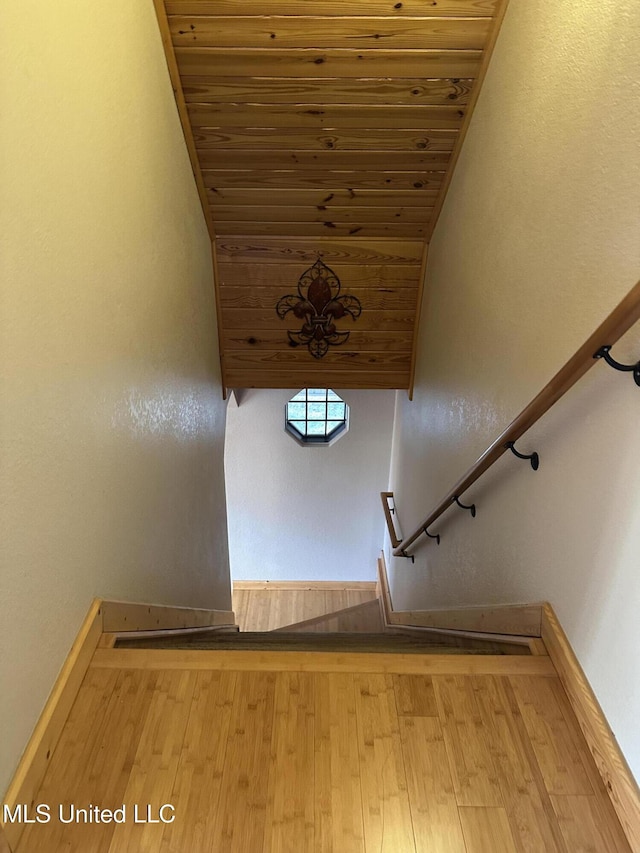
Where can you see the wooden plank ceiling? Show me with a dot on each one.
(323, 129)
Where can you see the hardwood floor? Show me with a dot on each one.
(259, 759)
(265, 609)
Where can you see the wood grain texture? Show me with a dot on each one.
(436, 8)
(520, 619)
(348, 251)
(134, 616)
(315, 116)
(529, 811)
(157, 758)
(474, 774)
(433, 664)
(271, 339)
(612, 766)
(291, 796)
(292, 760)
(284, 90)
(559, 752)
(486, 830)
(43, 742)
(241, 815)
(262, 607)
(330, 159)
(434, 810)
(353, 215)
(335, 62)
(586, 825)
(338, 811)
(290, 104)
(385, 800)
(371, 278)
(198, 782)
(320, 229)
(281, 32)
(324, 139)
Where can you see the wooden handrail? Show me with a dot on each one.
(384, 497)
(621, 319)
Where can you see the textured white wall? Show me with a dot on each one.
(112, 421)
(306, 513)
(538, 240)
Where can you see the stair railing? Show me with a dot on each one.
(595, 348)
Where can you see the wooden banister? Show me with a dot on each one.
(393, 536)
(621, 319)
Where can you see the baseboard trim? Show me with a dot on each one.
(617, 777)
(42, 743)
(362, 586)
(121, 616)
(522, 620)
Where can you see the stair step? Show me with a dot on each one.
(325, 642)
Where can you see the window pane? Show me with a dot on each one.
(295, 410)
(301, 395)
(317, 411)
(331, 395)
(317, 393)
(315, 428)
(332, 426)
(301, 426)
(335, 410)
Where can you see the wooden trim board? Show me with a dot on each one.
(362, 586)
(42, 743)
(522, 620)
(118, 616)
(617, 777)
(242, 661)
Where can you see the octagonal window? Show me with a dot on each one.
(316, 416)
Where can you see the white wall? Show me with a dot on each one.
(306, 513)
(112, 421)
(539, 239)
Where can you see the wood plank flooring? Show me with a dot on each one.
(256, 759)
(267, 609)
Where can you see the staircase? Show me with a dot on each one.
(340, 732)
(360, 628)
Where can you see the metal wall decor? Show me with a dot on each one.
(319, 305)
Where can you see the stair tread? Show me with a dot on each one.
(323, 642)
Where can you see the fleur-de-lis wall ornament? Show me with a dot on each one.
(319, 305)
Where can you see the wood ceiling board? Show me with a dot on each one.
(283, 90)
(341, 357)
(434, 8)
(324, 139)
(266, 318)
(322, 229)
(316, 378)
(331, 160)
(296, 251)
(320, 213)
(283, 277)
(308, 179)
(371, 298)
(319, 116)
(312, 117)
(308, 62)
(271, 339)
(329, 198)
(282, 32)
